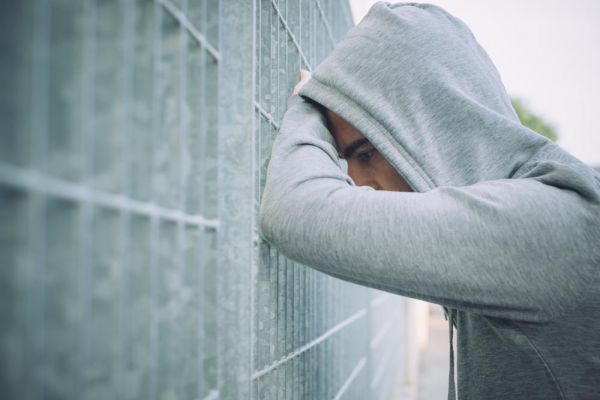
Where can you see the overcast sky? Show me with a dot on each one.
(548, 54)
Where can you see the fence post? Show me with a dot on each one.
(236, 233)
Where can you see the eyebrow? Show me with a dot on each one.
(347, 153)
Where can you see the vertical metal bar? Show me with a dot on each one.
(87, 162)
(335, 367)
(138, 133)
(330, 370)
(35, 356)
(200, 244)
(289, 326)
(303, 392)
(153, 265)
(126, 143)
(274, 296)
(179, 324)
(40, 85)
(154, 221)
(203, 130)
(122, 302)
(202, 200)
(255, 191)
(279, 372)
(183, 115)
(260, 297)
(236, 117)
(37, 204)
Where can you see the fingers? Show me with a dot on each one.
(304, 76)
(304, 73)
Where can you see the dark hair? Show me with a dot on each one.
(321, 108)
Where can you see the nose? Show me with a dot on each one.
(362, 177)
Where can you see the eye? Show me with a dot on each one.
(366, 156)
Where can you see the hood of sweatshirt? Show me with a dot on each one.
(426, 95)
(414, 80)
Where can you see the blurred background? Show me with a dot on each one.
(134, 141)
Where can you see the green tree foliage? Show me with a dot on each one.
(533, 121)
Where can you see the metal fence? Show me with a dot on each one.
(135, 137)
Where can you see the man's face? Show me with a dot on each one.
(366, 166)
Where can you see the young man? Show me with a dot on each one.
(450, 200)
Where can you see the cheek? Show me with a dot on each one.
(390, 178)
(380, 166)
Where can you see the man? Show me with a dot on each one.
(450, 200)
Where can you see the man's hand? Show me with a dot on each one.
(304, 77)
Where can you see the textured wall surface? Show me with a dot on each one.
(134, 141)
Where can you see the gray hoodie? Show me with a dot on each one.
(503, 226)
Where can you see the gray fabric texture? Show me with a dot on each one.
(503, 226)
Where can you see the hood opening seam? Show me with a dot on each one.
(375, 125)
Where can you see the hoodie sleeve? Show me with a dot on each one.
(525, 249)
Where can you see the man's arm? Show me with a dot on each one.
(525, 249)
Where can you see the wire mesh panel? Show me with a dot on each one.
(135, 137)
(315, 336)
(109, 200)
